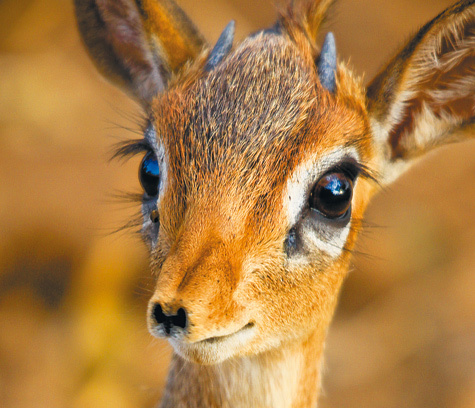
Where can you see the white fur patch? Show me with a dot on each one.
(332, 246)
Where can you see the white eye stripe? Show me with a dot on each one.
(150, 137)
(334, 243)
(163, 165)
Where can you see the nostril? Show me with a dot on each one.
(158, 314)
(166, 321)
(179, 319)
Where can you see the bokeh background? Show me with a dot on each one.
(73, 293)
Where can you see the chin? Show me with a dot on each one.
(215, 350)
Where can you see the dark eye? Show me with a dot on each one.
(332, 194)
(149, 174)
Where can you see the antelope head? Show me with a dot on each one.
(260, 160)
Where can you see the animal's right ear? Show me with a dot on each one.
(425, 96)
(138, 44)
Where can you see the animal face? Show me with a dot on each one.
(263, 181)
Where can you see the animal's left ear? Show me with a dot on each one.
(425, 97)
(138, 44)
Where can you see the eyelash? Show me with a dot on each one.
(354, 170)
(131, 148)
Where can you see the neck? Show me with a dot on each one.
(282, 378)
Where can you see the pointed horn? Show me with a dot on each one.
(327, 63)
(222, 47)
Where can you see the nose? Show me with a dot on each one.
(169, 322)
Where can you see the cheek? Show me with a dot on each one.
(297, 302)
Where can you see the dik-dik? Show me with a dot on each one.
(259, 161)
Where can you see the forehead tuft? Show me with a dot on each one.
(263, 87)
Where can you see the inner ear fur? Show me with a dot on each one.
(138, 44)
(425, 96)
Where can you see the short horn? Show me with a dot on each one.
(222, 47)
(327, 63)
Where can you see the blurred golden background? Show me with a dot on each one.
(73, 294)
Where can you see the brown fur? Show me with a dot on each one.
(234, 139)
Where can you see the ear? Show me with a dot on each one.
(309, 14)
(425, 97)
(138, 44)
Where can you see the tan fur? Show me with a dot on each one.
(242, 145)
(169, 29)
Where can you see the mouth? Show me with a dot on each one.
(217, 339)
(213, 350)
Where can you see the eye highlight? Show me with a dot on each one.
(331, 196)
(149, 174)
